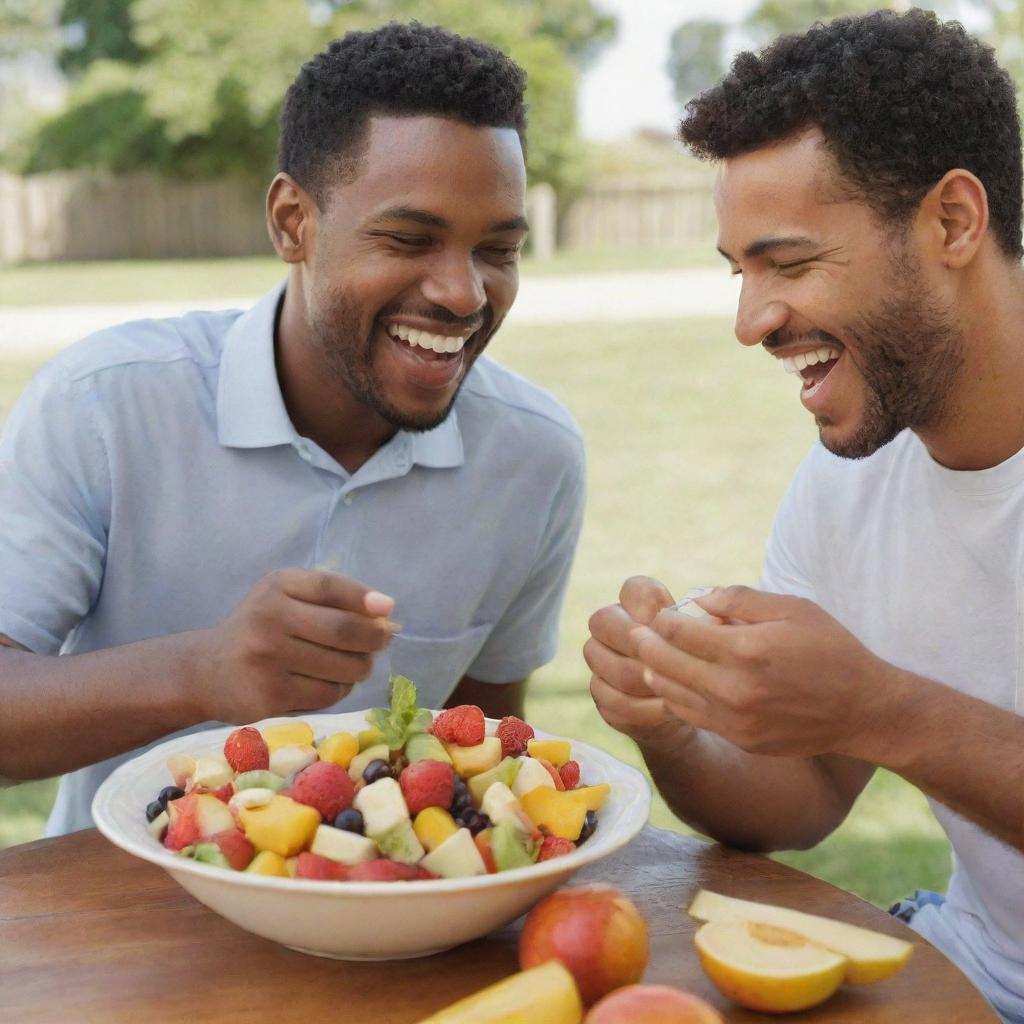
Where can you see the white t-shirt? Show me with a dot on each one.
(925, 566)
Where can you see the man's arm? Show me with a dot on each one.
(497, 699)
(745, 800)
(784, 678)
(298, 642)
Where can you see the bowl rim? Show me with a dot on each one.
(635, 815)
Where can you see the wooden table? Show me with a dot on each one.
(91, 934)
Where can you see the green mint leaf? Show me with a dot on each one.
(421, 721)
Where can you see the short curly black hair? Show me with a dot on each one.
(899, 99)
(397, 70)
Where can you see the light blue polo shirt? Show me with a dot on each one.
(150, 475)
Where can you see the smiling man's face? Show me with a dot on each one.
(839, 298)
(415, 263)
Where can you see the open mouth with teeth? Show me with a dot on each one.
(425, 344)
(813, 367)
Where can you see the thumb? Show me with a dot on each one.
(643, 597)
(745, 604)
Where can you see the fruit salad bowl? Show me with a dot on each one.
(361, 920)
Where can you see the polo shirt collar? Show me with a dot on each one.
(250, 408)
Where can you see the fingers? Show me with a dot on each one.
(340, 630)
(308, 694)
(703, 638)
(622, 711)
(325, 663)
(670, 672)
(332, 590)
(744, 604)
(611, 626)
(624, 673)
(643, 597)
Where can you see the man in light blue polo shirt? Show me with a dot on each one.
(229, 516)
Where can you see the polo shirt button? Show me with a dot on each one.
(348, 499)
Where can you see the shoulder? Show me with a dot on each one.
(507, 406)
(194, 339)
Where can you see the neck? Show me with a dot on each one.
(985, 424)
(320, 406)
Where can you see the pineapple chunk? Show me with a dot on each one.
(339, 749)
(561, 812)
(287, 733)
(555, 751)
(266, 862)
(282, 826)
(470, 761)
(433, 825)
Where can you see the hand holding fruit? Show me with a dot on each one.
(780, 676)
(617, 685)
(298, 641)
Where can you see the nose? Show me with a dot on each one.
(454, 282)
(758, 314)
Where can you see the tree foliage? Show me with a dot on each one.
(695, 59)
(195, 88)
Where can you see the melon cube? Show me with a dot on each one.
(282, 826)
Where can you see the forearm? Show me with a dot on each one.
(61, 713)
(965, 753)
(751, 801)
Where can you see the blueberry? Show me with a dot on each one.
(154, 810)
(169, 793)
(589, 827)
(349, 820)
(376, 770)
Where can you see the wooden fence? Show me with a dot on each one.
(82, 216)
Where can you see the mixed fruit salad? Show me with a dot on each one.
(413, 796)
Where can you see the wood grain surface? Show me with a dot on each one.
(90, 934)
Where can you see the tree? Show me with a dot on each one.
(96, 30)
(196, 87)
(696, 59)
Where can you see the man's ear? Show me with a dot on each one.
(957, 207)
(290, 218)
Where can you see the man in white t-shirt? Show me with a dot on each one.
(869, 192)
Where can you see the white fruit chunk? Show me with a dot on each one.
(212, 773)
(250, 798)
(382, 806)
(501, 805)
(212, 815)
(158, 826)
(290, 759)
(456, 857)
(531, 774)
(343, 847)
(871, 955)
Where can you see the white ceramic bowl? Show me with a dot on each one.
(361, 920)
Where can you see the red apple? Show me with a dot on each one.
(595, 931)
(652, 1004)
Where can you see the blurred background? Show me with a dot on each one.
(137, 138)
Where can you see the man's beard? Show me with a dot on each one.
(350, 361)
(910, 354)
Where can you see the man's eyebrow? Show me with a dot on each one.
(764, 245)
(432, 220)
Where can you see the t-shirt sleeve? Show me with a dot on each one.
(789, 554)
(526, 636)
(54, 511)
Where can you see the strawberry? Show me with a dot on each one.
(384, 870)
(553, 772)
(462, 725)
(246, 750)
(312, 865)
(325, 786)
(513, 733)
(570, 772)
(237, 850)
(427, 783)
(555, 846)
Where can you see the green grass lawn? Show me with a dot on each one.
(171, 280)
(692, 441)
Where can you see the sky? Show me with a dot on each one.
(627, 87)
